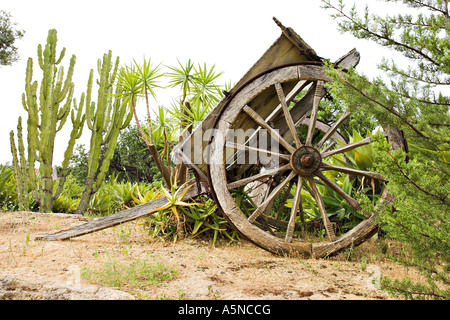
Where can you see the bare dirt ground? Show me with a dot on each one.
(31, 269)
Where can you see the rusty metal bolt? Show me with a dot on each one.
(306, 160)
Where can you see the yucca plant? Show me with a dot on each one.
(205, 90)
(164, 130)
(137, 81)
(199, 92)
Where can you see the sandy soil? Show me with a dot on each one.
(239, 271)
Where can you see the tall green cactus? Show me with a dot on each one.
(46, 117)
(105, 120)
(20, 169)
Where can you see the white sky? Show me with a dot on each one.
(231, 34)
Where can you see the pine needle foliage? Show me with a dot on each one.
(415, 100)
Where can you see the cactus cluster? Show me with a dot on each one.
(20, 169)
(48, 110)
(105, 119)
(49, 106)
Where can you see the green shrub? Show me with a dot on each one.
(8, 196)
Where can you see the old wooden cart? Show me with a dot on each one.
(251, 141)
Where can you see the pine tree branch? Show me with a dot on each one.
(413, 182)
(405, 291)
(390, 110)
(426, 102)
(417, 78)
(443, 198)
(426, 215)
(390, 41)
(423, 4)
(421, 25)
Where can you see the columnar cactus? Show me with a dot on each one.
(20, 169)
(46, 116)
(105, 120)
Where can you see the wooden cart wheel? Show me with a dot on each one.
(259, 114)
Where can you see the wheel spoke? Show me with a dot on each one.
(326, 166)
(259, 176)
(302, 213)
(271, 196)
(295, 205)
(328, 147)
(302, 119)
(323, 212)
(289, 97)
(242, 147)
(335, 187)
(332, 130)
(284, 200)
(287, 115)
(314, 111)
(347, 147)
(274, 133)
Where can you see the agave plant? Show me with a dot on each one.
(205, 219)
(175, 201)
(340, 213)
(101, 202)
(64, 204)
(122, 194)
(361, 157)
(145, 193)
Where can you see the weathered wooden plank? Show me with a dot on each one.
(117, 218)
(283, 51)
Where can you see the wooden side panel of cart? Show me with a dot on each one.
(289, 48)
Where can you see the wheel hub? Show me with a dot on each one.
(305, 161)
